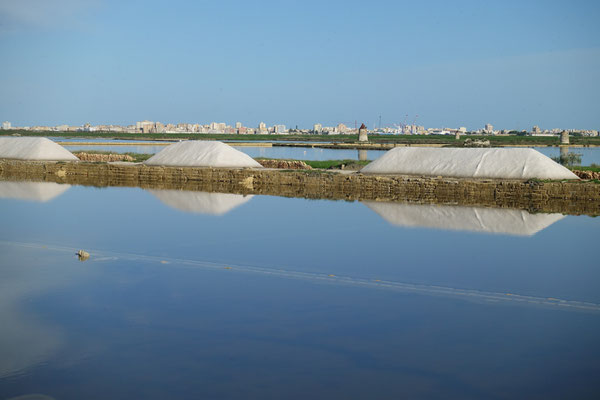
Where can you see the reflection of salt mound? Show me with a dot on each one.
(477, 219)
(34, 191)
(200, 202)
(469, 163)
(197, 153)
(32, 148)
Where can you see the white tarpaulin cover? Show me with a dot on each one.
(33, 191)
(200, 202)
(198, 153)
(34, 148)
(476, 219)
(469, 163)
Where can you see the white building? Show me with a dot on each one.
(262, 128)
(489, 128)
(6, 125)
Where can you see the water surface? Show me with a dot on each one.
(207, 295)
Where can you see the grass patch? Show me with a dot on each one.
(327, 164)
(336, 164)
(593, 168)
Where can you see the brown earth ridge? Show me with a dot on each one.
(567, 197)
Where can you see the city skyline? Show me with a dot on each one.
(240, 128)
(514, 64)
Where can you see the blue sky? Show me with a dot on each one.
(461, 63)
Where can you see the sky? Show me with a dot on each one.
(513, 64)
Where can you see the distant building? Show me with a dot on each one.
(362, 133)
(238, 125)
(218, 127)
(536, 130)
(144, 126)
(262, 128)
(341, 128)
(489, 128)
(280, 129)
(6, 125)
(317, 128)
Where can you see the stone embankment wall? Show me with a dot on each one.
(537, 196)
(587, 174)
(83, 156)
(284, 164)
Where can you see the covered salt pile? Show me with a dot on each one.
(475, 219)
(198, 153)
(32, 191)
(469, 163)
(200, 202)
(33, 148)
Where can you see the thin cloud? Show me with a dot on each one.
(27, 14)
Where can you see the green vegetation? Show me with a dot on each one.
(327, 164)
(518, 139)
(593, 168)
(337, 164)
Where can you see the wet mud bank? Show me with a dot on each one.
(535, 196)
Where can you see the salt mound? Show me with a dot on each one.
(197, 153)
(469, 163)
(476, 219)
(33, 148)
(200, 202)
(32, 191)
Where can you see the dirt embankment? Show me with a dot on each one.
(284, 164)
(92, 157)
(587, 174)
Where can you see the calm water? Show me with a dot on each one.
(202, 295)
(589, 155)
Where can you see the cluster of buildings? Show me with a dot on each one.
(488, 129)
(263, 129)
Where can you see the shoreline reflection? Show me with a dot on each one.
(200, 202)
(32, 191)
(459, 218)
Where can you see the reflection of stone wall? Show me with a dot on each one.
(564, 197)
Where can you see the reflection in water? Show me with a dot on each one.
(362, 155)
(32, 191)
(476, 219)
(200, 202)
(25, 340)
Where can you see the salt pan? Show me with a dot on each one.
(469, 163)
(34, 148)
(197, 153)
